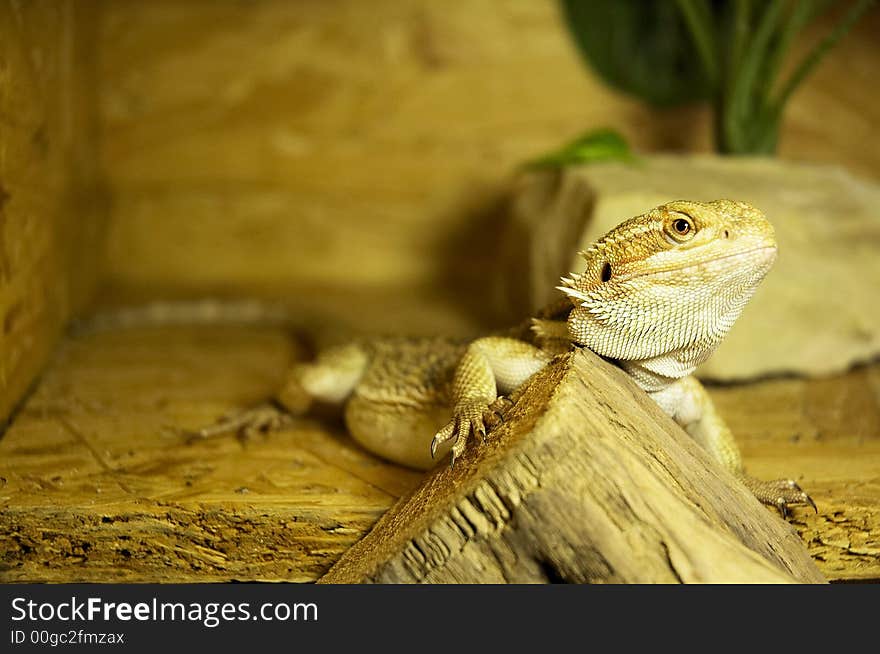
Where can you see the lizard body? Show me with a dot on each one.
(657, 295)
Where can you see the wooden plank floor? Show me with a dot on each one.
(96, 483)
(824, 433)
(100, 486)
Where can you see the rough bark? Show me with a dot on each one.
(586, 481)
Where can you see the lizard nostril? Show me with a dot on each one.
(726, 233)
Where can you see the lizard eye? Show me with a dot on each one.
(679, 228)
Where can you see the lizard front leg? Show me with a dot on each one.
(688, 403)
(489, 366)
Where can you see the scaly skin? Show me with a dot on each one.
(658, 294)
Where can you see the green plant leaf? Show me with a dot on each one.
(642, 47)
(590, 147)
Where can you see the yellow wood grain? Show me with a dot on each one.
(825, 433)
(99, 483)
(345, 149)
(96, 483)
(345, 143)
(350, 143)
(49, 204)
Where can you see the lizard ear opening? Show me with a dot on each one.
(605, 273)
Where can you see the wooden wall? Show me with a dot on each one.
(331, 143)
(49, 195)
(332, 148)
(341, 143)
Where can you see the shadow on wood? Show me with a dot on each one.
(587, 481)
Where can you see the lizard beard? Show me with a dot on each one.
(662, 325)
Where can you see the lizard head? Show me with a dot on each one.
(671, 281)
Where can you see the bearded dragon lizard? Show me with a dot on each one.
(657, 295)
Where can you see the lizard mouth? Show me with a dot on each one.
(702, 262)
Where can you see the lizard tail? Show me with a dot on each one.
(192, 312)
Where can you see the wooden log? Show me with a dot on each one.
(586, 481)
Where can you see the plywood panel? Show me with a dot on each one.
(825, 433)
(49, 208)
(98, 483)
(356, 138)
(347, 142)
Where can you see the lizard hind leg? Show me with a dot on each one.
(330, 379)
(246, 424)
(688, 403)
(781, 493)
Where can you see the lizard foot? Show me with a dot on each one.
(495, 413)
(467, 418)
(476, 417)
(246, 424)
(780, 493)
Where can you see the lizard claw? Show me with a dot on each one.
(495, 413)
(246, 424)
(780, 493)
(480, 432)
(442, 436)
(467, 419)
